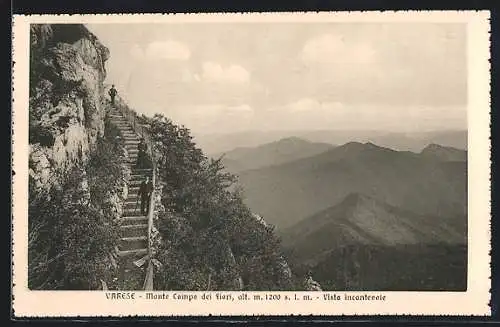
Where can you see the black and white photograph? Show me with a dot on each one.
(328, 156)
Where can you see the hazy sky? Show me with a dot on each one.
(251, 76)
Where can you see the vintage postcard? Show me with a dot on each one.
(332, 163)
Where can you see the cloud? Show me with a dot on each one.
(308, 105)
(136, 51)
(331, 48)
(212, 117)
(240, 109)
(158, 50)
(218, 110)
(214, 72)
(309, 113)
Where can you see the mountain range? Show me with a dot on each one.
(360, 219)
(270, 154)
(443, 153)
(365, 244)
(361, 216)
(419, 182)
(216, 143)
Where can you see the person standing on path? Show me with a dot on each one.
(112, 93)
(145, 191)
(142, 154)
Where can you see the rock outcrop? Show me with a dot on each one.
(311, 285)
(66, 108)
(285, 273)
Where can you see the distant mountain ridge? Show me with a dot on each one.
(365, 244)
(402, 141)
(443, 153)
(399, 178)
(269, 154)
(361, 219)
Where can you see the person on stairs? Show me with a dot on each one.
(112, 93)
(142, 155)
(145, 193)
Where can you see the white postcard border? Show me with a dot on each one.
(94, 303)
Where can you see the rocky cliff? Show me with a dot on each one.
(66, 112)
(77, 170)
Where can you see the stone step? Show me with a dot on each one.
(132, 208)
(133, 197)
(132, 200)
(133, 189)
(130, 142)
(133, 220)
(132, 211)
(131, 205)
(116, 115)
(142, 171)
(140, 174)
(132, 161)
(137, 181)
(136, 177)
(134, 230)
(133, 243)
(125, 129)
(126, 133)
(134, 253)
(121, 124)
(129, 136)
(117, 120)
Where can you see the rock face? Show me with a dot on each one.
(66, 112)
(311, 285)
(285, 272)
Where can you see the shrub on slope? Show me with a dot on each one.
(210, 238)
(71, 228)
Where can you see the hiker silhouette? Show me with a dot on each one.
(145, 191)
(112, 93)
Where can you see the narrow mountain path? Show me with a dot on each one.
(133, 224)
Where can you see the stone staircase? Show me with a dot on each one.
(133, 224)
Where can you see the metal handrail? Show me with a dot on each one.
(131, 116)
